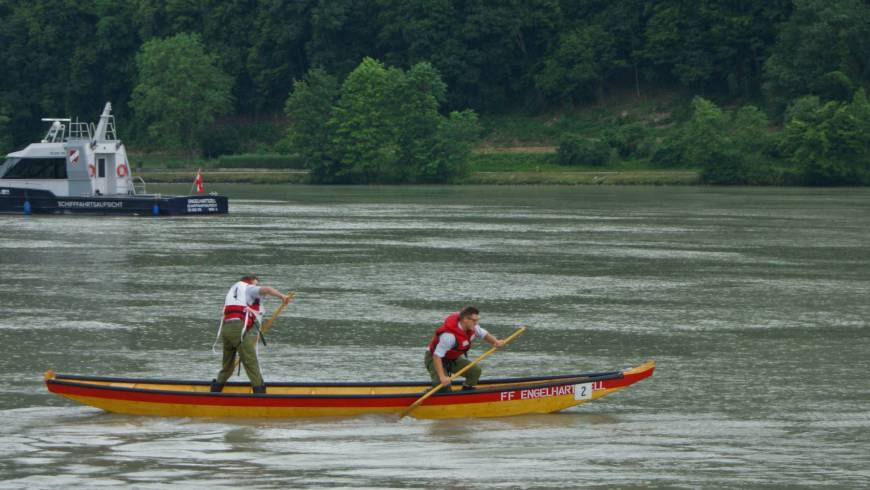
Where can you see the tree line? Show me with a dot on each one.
(248, 56)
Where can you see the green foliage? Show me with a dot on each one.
(704, 135)
(668, 154)
(513, 162)
(381, 126)
(235, 136)
(260, 161)
(5, 137)
(820, 38)
(803, 108)
(727, 167)
(831, 144)
(180, 90)
(577, 150)
(221, 139)
(749, 131)
(395, 125)
(628, 139)
(453, 141)
(579, 66)
(365, 125)
(698, 142)
(310, 107)
(487, 52)
(834, 85)
(709, 43)
(728, 148)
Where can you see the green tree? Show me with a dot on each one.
(580, 65)
(310, 106)
(704, 136)
(750, 130)
(578, 150)
(728, 148)
(453, 142)
(366, 136)
(277, 51)
(5, 137)
(180, 90)
(803, 108)
(381, 126)
(831, 144)
(744, 156)
(707, 42)
(341, 33)
(48, 62)
(112, 74)
(487, 52)
(820, 38)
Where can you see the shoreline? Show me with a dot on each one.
(271, 176)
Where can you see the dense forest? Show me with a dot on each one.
(777, 88)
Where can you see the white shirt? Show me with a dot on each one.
(447, 340)
(252, 294)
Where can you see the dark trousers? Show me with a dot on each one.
(472, 375)
(231, 334)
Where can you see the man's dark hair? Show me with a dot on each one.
(249, 279)
(468, 311)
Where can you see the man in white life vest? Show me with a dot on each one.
(241, 315)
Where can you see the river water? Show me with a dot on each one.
(754, 302)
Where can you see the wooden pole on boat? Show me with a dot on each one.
(264, 328)
(483, 356)
(268, 324)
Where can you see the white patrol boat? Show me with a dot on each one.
(79, 168)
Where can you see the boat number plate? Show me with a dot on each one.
(583, 391)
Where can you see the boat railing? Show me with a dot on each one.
(79, 130)
(139, 185)
(57, 130)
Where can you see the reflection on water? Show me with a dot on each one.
(753, 302)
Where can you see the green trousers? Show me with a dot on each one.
(247, 349)
(472, 376)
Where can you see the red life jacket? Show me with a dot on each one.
(236, 307)
(463, 339)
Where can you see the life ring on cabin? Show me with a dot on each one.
(92, 170)
(122, 170)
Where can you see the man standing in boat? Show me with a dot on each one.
(448, 351)
(241, 316)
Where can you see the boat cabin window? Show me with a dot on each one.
(101, 167)
(7, 164)
(35, 168)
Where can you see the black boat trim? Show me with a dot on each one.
(565, 380)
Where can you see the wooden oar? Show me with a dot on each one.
(483, 356)
(262, 330)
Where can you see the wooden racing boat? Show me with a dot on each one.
(492, 398)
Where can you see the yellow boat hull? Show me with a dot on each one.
(495, 398)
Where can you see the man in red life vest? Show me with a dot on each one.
(241, 313)
(447, 352)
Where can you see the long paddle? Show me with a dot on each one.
(431, 392)
(264, 328)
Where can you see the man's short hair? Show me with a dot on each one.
(250, 278)
(468, 311)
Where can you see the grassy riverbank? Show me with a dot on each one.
(225, 176)
(512, 149)
(652, 177)
(551, 177)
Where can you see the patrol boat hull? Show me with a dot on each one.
(81, 168)
(25, 201)
(492, 398)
